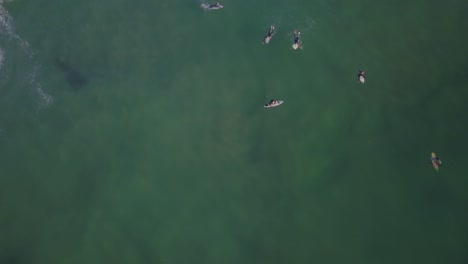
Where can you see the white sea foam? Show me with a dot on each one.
(7, 30)
(45, 99)
(1, 57)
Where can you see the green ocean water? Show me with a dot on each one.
(134, 132)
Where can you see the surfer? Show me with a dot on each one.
(297, 40)
(297, 36)
(270, 34)
(217, 5)
(361, 76)
(435, 161)
(214, 6)
(273, 103)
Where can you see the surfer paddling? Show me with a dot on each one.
(270, 34)
(297, 40)
(273, 103)
(435, 161)
(214, 6)
(361, 76)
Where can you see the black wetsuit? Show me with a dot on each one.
(297, 40)
(361, 73)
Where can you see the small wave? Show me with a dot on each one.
(46, 99)
(2, 57)
(7, 29)
(5, 20)
(205, 6)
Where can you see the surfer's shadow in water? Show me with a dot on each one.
(75, 78)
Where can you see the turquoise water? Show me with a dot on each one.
(135, 132)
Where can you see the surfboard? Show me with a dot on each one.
(362, 79)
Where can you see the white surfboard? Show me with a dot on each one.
(275, 104)
(295, 46)
(362, 79)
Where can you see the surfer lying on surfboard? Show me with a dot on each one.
(297, 40)
(273, 103)
(361, 76)
(435, 161)
(270, 34)
(215, 6)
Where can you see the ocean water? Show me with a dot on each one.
(135, 132)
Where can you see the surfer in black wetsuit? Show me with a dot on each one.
(272, 101)
(271, 31)
(269, 35)
(361, 74)
(297, 39)
(214, 5)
